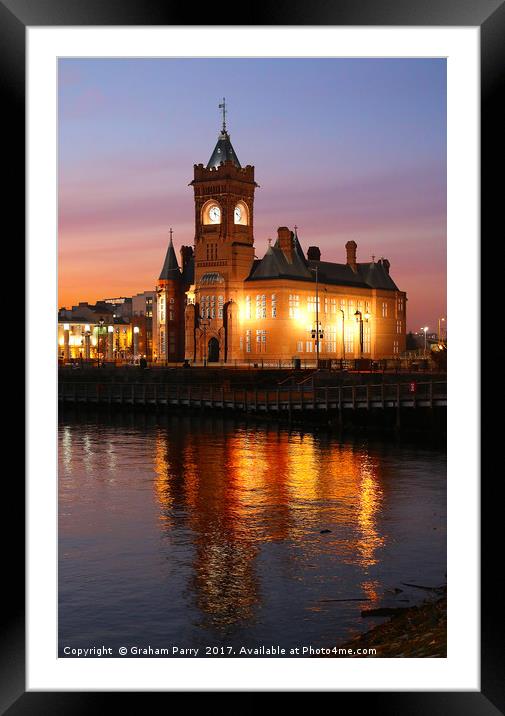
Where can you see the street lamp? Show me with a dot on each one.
(318, 333)
(343, 333)
(425, 329)
(440, 320)
(100, 324)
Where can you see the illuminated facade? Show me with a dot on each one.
(226, 306)
(94, 340)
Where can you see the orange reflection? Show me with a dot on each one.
(238, 489)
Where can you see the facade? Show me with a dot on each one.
(223, 305)
(143, 309)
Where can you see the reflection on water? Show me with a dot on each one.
(201, 531)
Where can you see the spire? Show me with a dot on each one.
(170, 268)
(223, 151)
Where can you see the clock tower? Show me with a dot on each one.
(224, 245)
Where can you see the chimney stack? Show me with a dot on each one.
(314, 253)
(350, 248)
(285, 242)
(186, 256)
(386, 265)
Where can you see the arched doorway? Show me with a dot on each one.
(213, 350)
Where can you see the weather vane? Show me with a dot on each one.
(223, 107)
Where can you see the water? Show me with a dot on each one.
(202, 532)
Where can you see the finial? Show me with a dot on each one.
(171, 232)
(223, 107)
(296, 228)
(269, 241)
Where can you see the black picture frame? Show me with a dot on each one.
(15, 17)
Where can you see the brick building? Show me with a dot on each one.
(223, 305)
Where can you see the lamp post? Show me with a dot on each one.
(440, 320)
(360, 319)
(318, 333)
(425, 329)
(343, 333)
(136, 331)
(110, 342)
(100, 326)
(87, 341)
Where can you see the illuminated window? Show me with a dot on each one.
(331, 339)
(366, 339)
(299, 346)
(400, 305)
(384, 309)
(220, 303)
(274, 305)
(308, 346)
(398, 326)
(212, 306)
(350, 309)
(248, 341)
(248, 307)
(349, 338)
(261, 341)
(294, 306)
(395, 347)
(261, 306)
(333, 305)
(311, 304)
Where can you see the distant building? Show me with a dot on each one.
(93, 332)
(143, 308)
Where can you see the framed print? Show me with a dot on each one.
(253, 463)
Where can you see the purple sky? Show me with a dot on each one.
(342, 148)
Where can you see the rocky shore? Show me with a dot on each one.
(419, 631)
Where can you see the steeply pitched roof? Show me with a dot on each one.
(223, 152)
(170, 268)
(275, 265)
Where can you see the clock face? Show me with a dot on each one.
(215, 214)
(238, 214)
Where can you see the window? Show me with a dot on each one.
(261, 306)
(171, 309)
(171, 342)
(400, 305)
(299, 346)
(349, 338)
(395, 347)
(248, 341)
(311, 304)
(366, 339)
(274, 305)
(211, 252)
(350, 309)
(261, 341)
(220, 304)
(398, 326)
(162, 341)
(384, 309)
(212, 306)
(248, 307)
(331, 339)
(308, 346)
(294, 306)
(162, 308)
